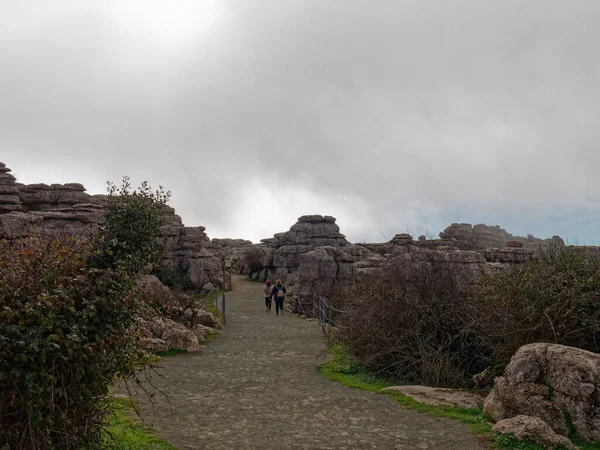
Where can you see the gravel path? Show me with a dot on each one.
(255, 387)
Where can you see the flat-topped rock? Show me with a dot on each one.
(442, 396)
(316, 218)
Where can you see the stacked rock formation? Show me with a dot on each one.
(9, 193)
(239, 251)
(64, 208)
(481, 236)
(187, 250)
(314, 257)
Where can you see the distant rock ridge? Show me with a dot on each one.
(481, 237)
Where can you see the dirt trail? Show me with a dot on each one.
(255, 387)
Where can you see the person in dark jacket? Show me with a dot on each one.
(278, 292)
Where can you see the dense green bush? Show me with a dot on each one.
(68, 324)
(66, 331)
(130, 234)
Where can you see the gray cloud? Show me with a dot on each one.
(391, 115)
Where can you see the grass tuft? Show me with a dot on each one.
(125, 432)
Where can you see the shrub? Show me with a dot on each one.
(412, 321)
(555, 298)
(68, 324)
(253, 259)
(66, 330)
(130, 234)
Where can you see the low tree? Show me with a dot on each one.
(130, 235)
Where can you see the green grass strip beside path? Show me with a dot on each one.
(343, 369)
(127, 433)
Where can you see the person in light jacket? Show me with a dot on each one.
(267, 290)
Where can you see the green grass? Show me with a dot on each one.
(172, 352)
(343, 369)
(125, 432)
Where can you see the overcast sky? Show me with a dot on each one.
(390, 115)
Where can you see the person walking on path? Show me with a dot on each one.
(267, 290)
(279, 293)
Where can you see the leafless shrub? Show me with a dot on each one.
(412, 321)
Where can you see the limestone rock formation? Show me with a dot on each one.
(237, 250)
(9, 193)
(551, 382)
(481, 236)
(162, 333)
(314, 257)
(188, 250)
(535, 429)
(286, 249)
(17, 226)
(64, 208)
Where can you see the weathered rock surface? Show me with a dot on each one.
(9, 198)
(442, 396)
(481, 236)
(314, 257)
(187, 250)
(535, 429)
(64, 208)
(551, 382)
(161, 333)
(16, 226)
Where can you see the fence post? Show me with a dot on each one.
(329, 322)
(223, 305)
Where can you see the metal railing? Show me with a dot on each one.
(323, 310)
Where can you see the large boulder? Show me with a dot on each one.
(558, 384)
(535, 429)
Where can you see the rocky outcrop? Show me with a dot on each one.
(313, 257)
(188, 250)
(162, 333)
(64, 208)
(242, 253)
(9, 193)
(535, 429)
(18, 226)
(555, 383)
(481, 236)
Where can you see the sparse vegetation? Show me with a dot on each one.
(411, 321)
(253, 259)
(555, 298)
(418, 321)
